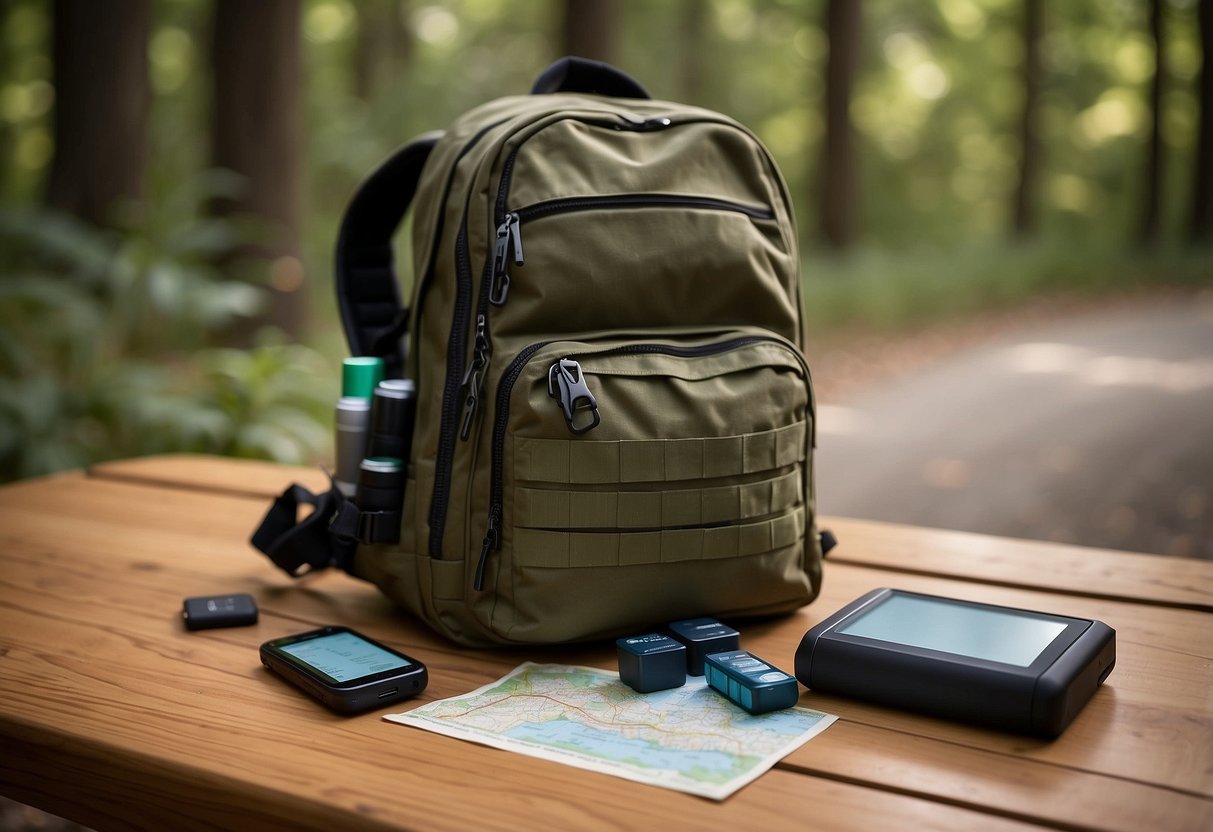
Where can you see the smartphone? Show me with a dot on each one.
(345, 670)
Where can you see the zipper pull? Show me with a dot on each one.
(471, 404)
(516, 238)
(509, 234)
(566, 384)
(492, 542)
(473, 379)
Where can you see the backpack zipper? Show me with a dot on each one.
(492, 536)
(450, 426)
(454, 352)
(508, 246)
(482, 349)
(450, 392)
(454, 425)
(509, 233)
(446, 193)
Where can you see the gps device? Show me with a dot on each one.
(346, 671)
(1007, 668)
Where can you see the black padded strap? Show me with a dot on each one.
(367, 292)
(583, 75)
(324, 538)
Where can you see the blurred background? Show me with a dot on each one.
(172, 173)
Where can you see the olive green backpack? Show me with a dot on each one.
(614, 419)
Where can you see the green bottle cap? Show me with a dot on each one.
(360, 375)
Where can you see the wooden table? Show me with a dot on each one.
(113, 714)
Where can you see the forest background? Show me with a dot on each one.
(172, 173)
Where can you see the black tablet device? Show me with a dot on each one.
(1008, 668)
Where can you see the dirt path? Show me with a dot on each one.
(1087, 423)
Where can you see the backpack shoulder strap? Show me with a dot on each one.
(368, 295)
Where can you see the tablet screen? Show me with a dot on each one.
(997, 635)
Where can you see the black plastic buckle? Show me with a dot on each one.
(566, 384)
(379, 526)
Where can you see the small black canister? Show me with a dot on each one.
(392, 413)
(379, 498)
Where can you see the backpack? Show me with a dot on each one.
(614, 421)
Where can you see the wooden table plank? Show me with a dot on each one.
(964, 776)
(248, 477)
(128, 528)
(1151, 722)
(1052, 567)
(190, 741)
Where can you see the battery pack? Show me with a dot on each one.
(748, 681)
(210, 611)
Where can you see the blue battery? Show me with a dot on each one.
(750, 682)
(652, 662)
(703, 636)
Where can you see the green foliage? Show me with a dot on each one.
(107, 338)
(887, 290)
(104, 345)
(936, 103)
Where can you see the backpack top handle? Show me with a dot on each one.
(572, 74)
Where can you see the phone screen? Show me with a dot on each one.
(344, 656)
(993, 634)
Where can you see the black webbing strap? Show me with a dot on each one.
(326, 537)
(828, 541)
(367, 292)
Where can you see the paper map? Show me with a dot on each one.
(689, 738)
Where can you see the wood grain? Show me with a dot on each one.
(203, 740)
(113, 714)
(246, 477)
(1052, 567)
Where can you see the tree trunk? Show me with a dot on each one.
(693, 59)
(383, 47)
(1029, 141)
(589, 29)
(1152, 193)
(1202, 197)
(7, 131)
(257, 132)
(839, 189)
(102, 96)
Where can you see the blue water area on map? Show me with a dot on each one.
(605, 745)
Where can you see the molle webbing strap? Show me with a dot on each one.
(536, 548)
(368, 294)
(657, 460)
(547, 508)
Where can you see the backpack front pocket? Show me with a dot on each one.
(634, 481)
